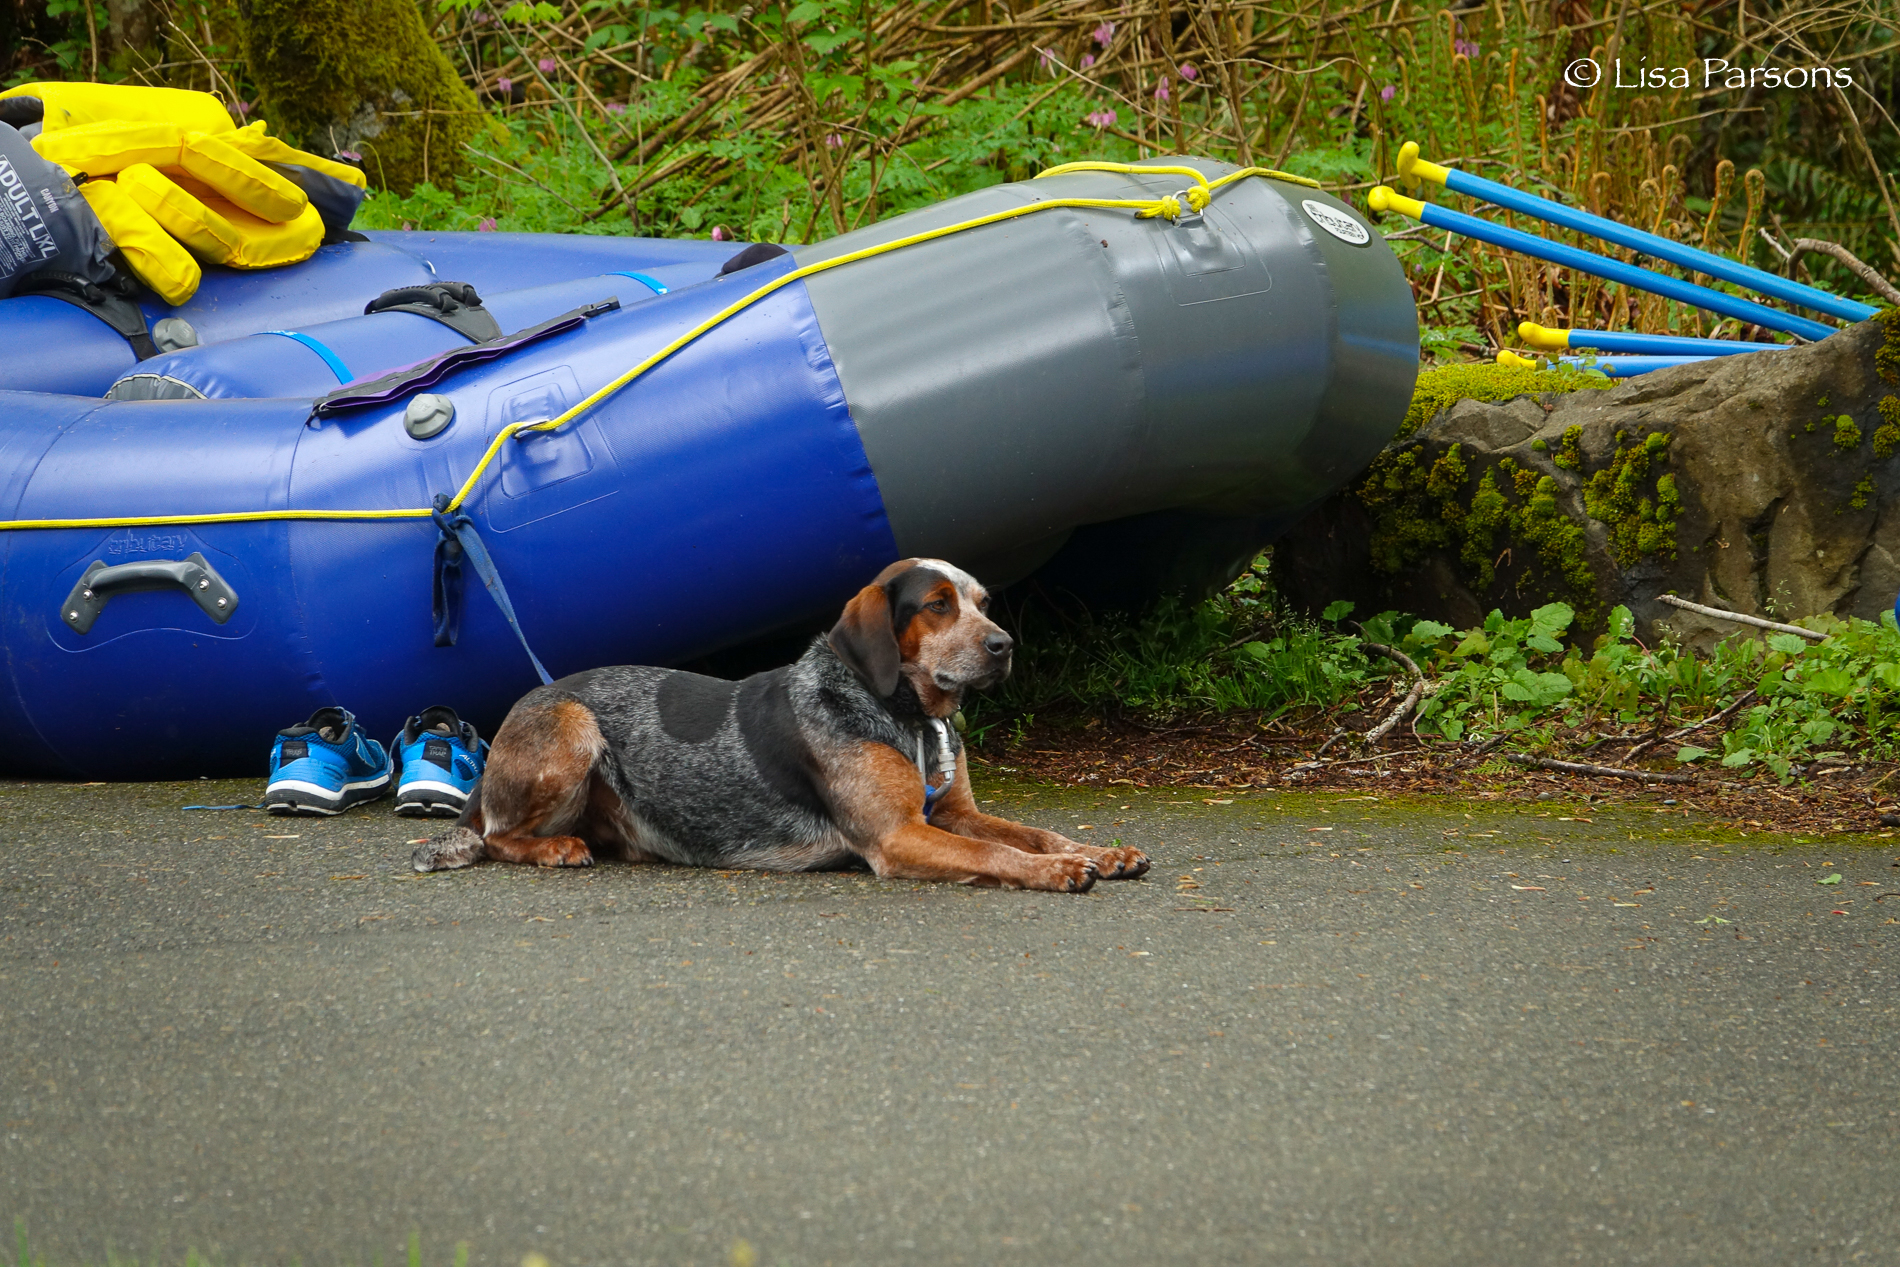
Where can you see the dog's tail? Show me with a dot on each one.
(461, 845)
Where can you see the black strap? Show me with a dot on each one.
(757, 253)
(454, 304)
(398, 384)
(110, 303)
(458, 541)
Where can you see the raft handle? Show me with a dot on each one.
(190, 574)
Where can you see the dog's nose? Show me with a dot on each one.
(997, 644)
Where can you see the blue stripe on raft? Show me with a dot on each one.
(650, 283)
(331, 359)
(724, 495)
(1617, 271)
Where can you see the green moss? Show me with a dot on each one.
(1490, 514)
(1438, 390)
(1846, 434)
(1570, 450)
(1887, 357)
(1887, 435)
(1539, 445)
(1863, 491)
(364, 76)
(1887, 365)
(1618, 496)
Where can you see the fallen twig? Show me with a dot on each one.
(1740, 701)
(1865, 272)
(1303, 767)
(1407, 704)
(1602, 771)
(1740, 619)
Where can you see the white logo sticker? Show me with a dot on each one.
(1337, 223)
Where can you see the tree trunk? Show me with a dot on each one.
(361, 77)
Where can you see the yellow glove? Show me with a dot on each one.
(165, 167)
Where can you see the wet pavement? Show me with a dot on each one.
(1325, 1028)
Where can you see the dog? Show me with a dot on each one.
(842, 758)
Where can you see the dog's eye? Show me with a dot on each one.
(940, 606)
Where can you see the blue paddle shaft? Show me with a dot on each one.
(1625, 366)
(1661, 344)
(1617, 271)
(1660, 247)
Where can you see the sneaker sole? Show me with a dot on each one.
(422, 798)
(293, 796)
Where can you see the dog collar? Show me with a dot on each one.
(946, 763)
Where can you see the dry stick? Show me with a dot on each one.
(1740, 701)
(1740, 619)
(1305, 767)
(1407, 704)
(1882, 287)
(1602, 771)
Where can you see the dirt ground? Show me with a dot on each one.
(1234, 752)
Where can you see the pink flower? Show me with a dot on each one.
(1188, 71)
(1100, 119)
(242, 107)
(504, 84)
(1466, 47)
(1104, 33)
(721, 234)
(547, 65)
(352, 155)
(1161, 91)
(1048, 57)
(1388, 92)
(486, 226)
(1088, 60)
(482, 18)
(616, 107)
(833, 140)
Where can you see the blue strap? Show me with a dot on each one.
(331, 359)
(459, 540)
(931, 794)
(650, 283)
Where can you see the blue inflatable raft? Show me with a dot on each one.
(1098, 360)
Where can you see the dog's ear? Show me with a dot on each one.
(864, 640)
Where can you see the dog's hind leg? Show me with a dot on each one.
(536, 786)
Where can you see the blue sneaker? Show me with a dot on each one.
(441, 757)
(324, 766)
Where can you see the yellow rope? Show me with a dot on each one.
(1197, 195)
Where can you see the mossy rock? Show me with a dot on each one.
(1727, 482)
(364, 77)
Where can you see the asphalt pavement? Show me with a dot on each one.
(1323, 1029)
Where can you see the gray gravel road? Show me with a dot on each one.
(1324, 1029)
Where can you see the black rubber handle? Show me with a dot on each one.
(190, 574)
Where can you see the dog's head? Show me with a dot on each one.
(925, 621)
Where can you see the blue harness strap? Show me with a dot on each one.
(650, 283)
(331, 359)
(459, 540)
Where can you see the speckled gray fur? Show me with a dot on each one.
(749, 793)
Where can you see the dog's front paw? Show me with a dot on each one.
(1122, 863)
(457, 847)
(563, 851)
(1065, 873)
